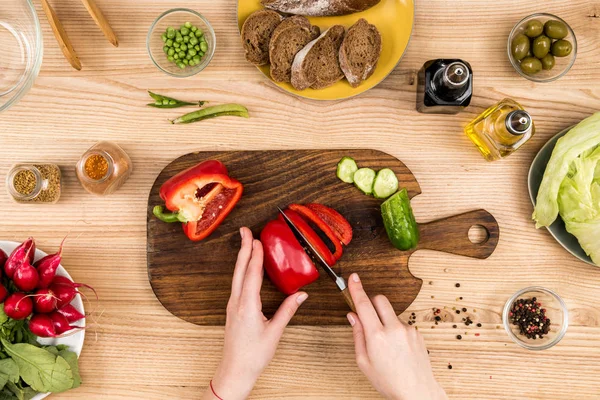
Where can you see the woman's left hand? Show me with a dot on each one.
(250, 338)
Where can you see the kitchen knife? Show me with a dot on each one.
(316, 257)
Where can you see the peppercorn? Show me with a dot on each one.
(449, 366)
(479, 325)
(457, 285)
(459, 337)
(464, 310)
(458, 311)
(454, 326)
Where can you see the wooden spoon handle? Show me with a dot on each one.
(451, 235)
(101, 21)
(61, 36)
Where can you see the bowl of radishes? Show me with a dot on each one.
(39, 295)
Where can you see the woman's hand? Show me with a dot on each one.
(391, 354)
(250, 339)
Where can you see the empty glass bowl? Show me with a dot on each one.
(176, 18)
(556, 311)
(22, 49)
(562, 64)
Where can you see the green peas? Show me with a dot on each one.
(184, 46)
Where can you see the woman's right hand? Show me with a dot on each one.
(390, 353)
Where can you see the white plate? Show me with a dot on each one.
(75, 341)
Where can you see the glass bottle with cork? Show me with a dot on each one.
(104, 168)
(34, 183)
(501, 129)
(445, 86)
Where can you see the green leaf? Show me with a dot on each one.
(9, 372)
(71, 358)
(20, 393)
(39, 368)
(3, 316)
(51, 349)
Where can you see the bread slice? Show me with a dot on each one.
(288, 39)
(256, 35)
(360, 52)
(319, 8)
(317, 65)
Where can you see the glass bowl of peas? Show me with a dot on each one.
(181, 42)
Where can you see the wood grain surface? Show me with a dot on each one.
(136, 349)
(183, 272)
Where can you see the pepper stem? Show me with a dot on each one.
(168, 217)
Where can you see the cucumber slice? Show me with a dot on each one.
(386, 184)
(346, 169)
(363, 179)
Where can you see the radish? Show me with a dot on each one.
(26, 277)
(3, 258)
(18, 306)
(45, 301)
(42, 326)
(23, 253)
(71, 313)
(66, 290)
(47, 266)
(3, 293)
(61, 323)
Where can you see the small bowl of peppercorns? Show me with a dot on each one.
(535, 318)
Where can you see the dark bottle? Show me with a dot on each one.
(444, 86)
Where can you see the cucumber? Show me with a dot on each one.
(363, 179)
(399, 221)
(346, 169)
(386, 184)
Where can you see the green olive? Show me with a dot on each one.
(541, 46)
(555, 29)
(562, 48)
(548, 62)
(531, 65)
(520, 46)
(534, 28)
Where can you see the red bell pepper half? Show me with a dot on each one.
(200, 198)
(286, 262)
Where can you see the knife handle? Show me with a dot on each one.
(348, 298)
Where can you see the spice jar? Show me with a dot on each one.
(104, 168)
(34, 183)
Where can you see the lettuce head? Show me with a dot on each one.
(571, 186)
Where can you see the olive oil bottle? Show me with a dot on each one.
(445, 86)
(501, 129)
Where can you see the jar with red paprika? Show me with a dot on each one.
(104, 168)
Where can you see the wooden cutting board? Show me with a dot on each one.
(192, 279)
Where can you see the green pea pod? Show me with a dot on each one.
(399, 221)
(236, 110)
(169, 102)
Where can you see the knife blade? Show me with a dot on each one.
(318, 259)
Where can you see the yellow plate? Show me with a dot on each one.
(394, 20)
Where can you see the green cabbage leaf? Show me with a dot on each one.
(571, 186)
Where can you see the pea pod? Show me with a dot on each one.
(169, 102)
(399, 221)
(236, 110)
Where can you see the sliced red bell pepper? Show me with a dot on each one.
(285, 261)
(200, 198)
(336, 221)
(311, 216)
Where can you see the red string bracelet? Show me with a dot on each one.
(213, 391)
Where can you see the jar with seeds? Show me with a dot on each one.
(104, 168)
(34, 183)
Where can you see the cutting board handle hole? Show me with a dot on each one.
(478, 234)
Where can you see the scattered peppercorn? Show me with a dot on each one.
(460, 298)
(457, 285)
(458, 311)
(454, 326)
(464, 310)
(449, 366)
(479, 325)
(459, 337)
(438, 318)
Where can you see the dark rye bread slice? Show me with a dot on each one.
(288, 39)
(317, 65)
(256, 35)
(319, 8)
(360, 52)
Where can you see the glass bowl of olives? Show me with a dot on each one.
(542, 47)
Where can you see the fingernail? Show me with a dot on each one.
(355, 277)
(300, 299)
(351, 319)
(242, 232)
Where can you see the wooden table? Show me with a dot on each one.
(136, 349)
